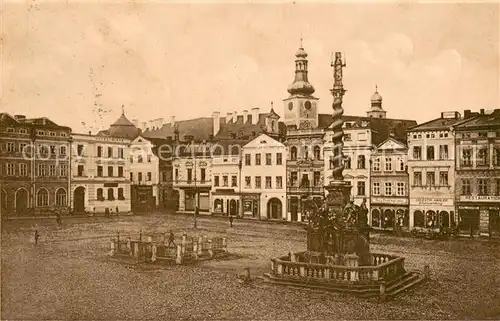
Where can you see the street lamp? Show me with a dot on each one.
(240, 209)
(195, 192)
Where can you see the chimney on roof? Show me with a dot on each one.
(235, 117)
(20, 118)
(144, 126)
(216, 122)
(135, 122)
(245, 116)
(159, 123)
(229, 118)
(467, 113)
(481, 111)
(255, 115)
(151, 124)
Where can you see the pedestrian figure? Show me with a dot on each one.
(231, 220)
(36, 237)
(116, 210)
(106, 212)
(58, 219)
(171, 239)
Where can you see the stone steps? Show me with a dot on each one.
(405, 284)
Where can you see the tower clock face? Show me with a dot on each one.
(290, 106)
(307, 105)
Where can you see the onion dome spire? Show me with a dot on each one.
(301, 85)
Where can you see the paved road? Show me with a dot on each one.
(69, 276)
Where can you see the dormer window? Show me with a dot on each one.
(10, 130)
(23, 131)
(41, 133)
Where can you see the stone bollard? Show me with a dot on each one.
(129, 245)
(195, 250)
(178, 258)
(382, 291)
(427, 271)
(200, 245)
(113, 248)
(210, 252)
(224, 244)
(183, 243)
(247, 274)
(153, 253)
(136, 250)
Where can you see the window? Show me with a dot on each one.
(99, 171)
(483, 186)
(443, 151)
(131, 158)
(100, 195)
(225, 181)
(52, 170)
(111, 195)
(258, 183)
(52, 134)
(388, 188)
(23, 131)
(216, 180)
(42, 198)
(497, 186)
(131, 176)
(120, 172)
(110, 152)
(234, 181)
(163, 176)
(467, 157)
(176, 175)
(62, 150)
(139, 158)
(43, 150)
(63, 170)
(11, 147)
(248, 160)
(120, 155)
(306, 152)
(52, 149)
(332, 162)
(80, 170)
(417, 152)
(11, 170)
(430, 179)
(279, 182)
(388, 164)
(203, 175)
(317, 152)
(189, 175)
(110, 171)
(293, 153)
(139, 177)
(417, 179)
(347, 162)
(401, 188)
(443, 178)
(304, 182)
(41, 133)
(361, 162)
(402, 166)
(257, 159)
(376, 165)
(23, 169)
(482, 157)
(120, 194)
(61, 197)
(268, 182)
(10, 130)
(79, 150)
(376, 188)
(347, 137)
(317, 179)
(149, 177)
(248, 182)
(496, 156)
(22, 146)
(430, 152)
(279, 159)
(268, 159)
(99, 151)
(149, 158)
(294, 179)
(466, 187)
(361, 188)
(41, 170)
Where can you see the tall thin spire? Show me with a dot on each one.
(123, 109)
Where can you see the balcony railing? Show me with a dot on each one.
(312, 189)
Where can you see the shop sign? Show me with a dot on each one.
(432, 201)
(388, 200)
(480, 198)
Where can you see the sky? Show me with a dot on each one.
(77, 63)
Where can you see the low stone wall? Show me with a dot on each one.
(188, 249)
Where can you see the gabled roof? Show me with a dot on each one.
(263, 141)
(481, 120)
(199, 128)
(243, 130)
(391, 144)
(41, 122)
(121, 128)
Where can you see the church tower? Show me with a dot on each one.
(301, 110)
(376, 110)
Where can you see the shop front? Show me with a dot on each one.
(479, 215)
(142, 199)
(389, 213)
(432, 212)
(225, 202)
(251, 205)
(196, 196)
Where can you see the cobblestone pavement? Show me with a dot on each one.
(69, 276)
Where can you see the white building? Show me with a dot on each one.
(263, 179)
(144, 175)
(99, 173)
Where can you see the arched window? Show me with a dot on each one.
(218, 205)
(121, 196)
(100, 196)
(42, 198)
(306, 152)
(418, 219)
(317, 152)
(431, 219)
(111, 196)
(388, 218)
(375, 218)
(293, 153)
(61, 197)
(361, 162)
(444, 218)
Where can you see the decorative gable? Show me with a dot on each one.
(391, 144)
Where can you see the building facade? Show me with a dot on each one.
(477, 143)
(389, 197)
(263, 175)
(431, 170)
(99, 174)
(34, 165)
